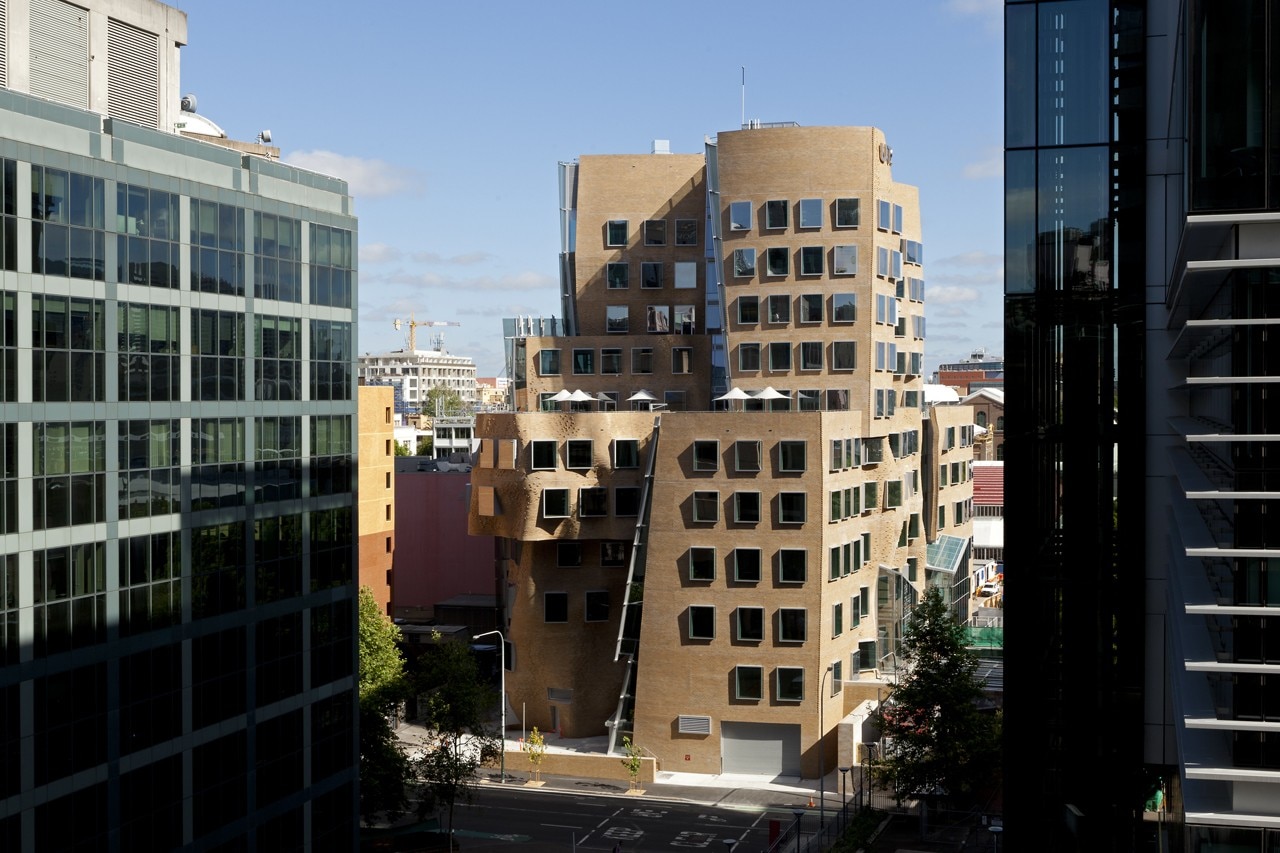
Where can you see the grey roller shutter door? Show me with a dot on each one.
(60, 52)
(771, 749)
(133, 74)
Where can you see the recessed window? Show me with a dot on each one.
(578, 453)
(847, 213)
(744, 263)
(779, 308)
(568, 555)
(746, 565)
(739, 216)
(593, 502)
(749, 358)
(748, 682)
(870, 495)
(775, 261)
(750, 624)
(775, 214)
(626, 453)
(655, 232)
(706, 506)
(616, 276)
(686, 232)
(844, 355)
(650, 275)
(791, 624)
(892, 494)
(555, 607)
(682, 360)
(809, 399)
(597, 606)
(791, 507)
(610, 362)
(626, 501)
(617, 319)
(746, 507)
(613, 554)
(810, 358)
(555, 503)
(615, 232)
(811, 308)
(702, 564)
(746, 456)
(706, 456)
(810, 213)
(837, 619)
(790, 683)
(686, 275)
(658, 319)
(642, 360)
(584, 362)
(779, 356)
(811, 260)
(791, 456)
(543, 455)
(702, 622)
(549, 362)
(748, 310)
(792, 565)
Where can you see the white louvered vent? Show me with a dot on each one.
(60, 52)
(4, 46)
(692, 725)
(133, 74)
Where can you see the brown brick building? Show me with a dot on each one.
(377, 490)
(702, 578)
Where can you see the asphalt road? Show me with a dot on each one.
(543, 820)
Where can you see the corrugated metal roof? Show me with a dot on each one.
(988, 484)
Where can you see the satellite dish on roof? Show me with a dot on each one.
(188, 103)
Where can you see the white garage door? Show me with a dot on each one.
(760, 748)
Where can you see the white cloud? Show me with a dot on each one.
(485, 283)
(378, 253)
(975, 258)
(951, 295)
(991, 12)
(465, 258)
(990, 166)
(365, 177)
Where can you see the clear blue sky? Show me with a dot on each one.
(448, 119)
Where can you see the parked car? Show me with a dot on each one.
(989, 588)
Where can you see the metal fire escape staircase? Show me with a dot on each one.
(622, 723)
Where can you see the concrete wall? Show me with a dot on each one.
(377, 526)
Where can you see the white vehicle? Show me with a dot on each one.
(989, 588)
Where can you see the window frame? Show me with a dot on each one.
(778, 309)
(738, 570)
(809, 209)
(752, 347)
(789, 447)
(685, 276)
(540, 444)
(546, 603)
(846, 209)
(699, 455)
(743, 636)
(543, 356)
(737, 209)
(683, 228)
(744, 262)
(738, 672)
(783, 569)
(618, 443)
(698, 499)
(617, 275)
(785, 633)
(777, 214)
(812, 260)
(611, 233)
(574, 447)
(546, 495)
(701, 563)
(844, 260)
(738, 465)
(595, 494)
(811, 355)
(700, 613)
(740, 504)
(587, 605)
(790, 673)
(651, 271)
(808, 303)
(780, 356)
(777, 261)
(783, 510)
(655, 232)
(749, 300)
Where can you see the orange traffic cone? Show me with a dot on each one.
(811, 801)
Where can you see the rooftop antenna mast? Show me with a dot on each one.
(744, 96)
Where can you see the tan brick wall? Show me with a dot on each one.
(376, 484)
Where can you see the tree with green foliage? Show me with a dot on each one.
(384, 768)
(941, 739)
(633, 760)
(401, 449)
(425, 445)
(442, 402)
(535, 746)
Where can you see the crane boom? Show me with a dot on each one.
(412, 339)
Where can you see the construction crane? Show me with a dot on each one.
(413, 325)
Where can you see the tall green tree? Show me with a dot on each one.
(442, 402)
(384, 768)
(941, 739)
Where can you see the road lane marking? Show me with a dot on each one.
(562, 826)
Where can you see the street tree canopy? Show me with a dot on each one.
(941, 741)
(384, 768)
(442, 402)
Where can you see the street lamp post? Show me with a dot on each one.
(822, 756)
(995, 829)
(502, 700)
(729, 844)
(799, 813)
(844, 794)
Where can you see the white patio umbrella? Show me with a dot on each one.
(733, 394)
(580, 396)
(561, 395)
(642, 395)
(769, 393)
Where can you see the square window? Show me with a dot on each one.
(674, 400)
(791, 456)
(744, 263)
(555, 503)
(686, 275)
(702, 622)
(597, 606)
(543, 455)
(685, 324)
(809, 399)
(844, 260)
(706, 456)
(584, 362)
(615, 231)
(847, 213)
(790, 683)
(746, 565)
(844, 307)
(791, 507)
(658, 319)
(844, 355)
(549, 362)
(702, 564)
(791, 624)
(748, 682)
(837, 399)
(613, 554)
(706, 507)
(811, 308)
(616, 276)
(650, 275)
(626, 453)
(810, 357)
(642, 360)
(617, 319)
(749, 358)
(686, 232)
(682, 360)
(775, 260)
(655, 232)
(775, 213)
(555, 607)
(810, 213)
(626, 501)
(739, 216)
(746, 507)
(610, 362)
(568, 555)
(811, 260)
(578, 454)
(779, 356)
(593, 502)
(750, 624)
(748, 310)
(792, 565)
(746, 456)
(779, 308)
